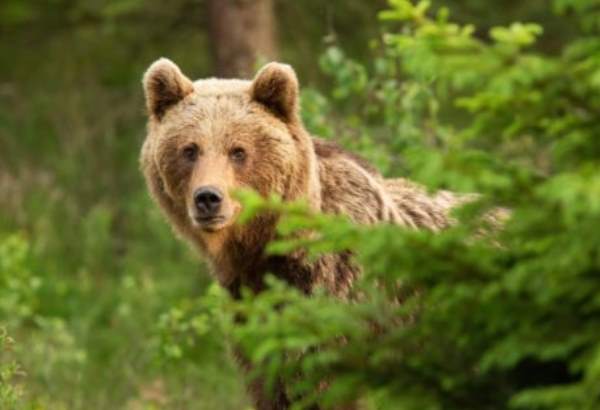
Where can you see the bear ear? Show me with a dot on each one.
(164, 86)
(276, 87)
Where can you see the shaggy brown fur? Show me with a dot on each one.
(195, 135)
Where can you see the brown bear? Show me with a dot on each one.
(209, 137)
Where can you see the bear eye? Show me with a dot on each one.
(190, 152)
(237, 154)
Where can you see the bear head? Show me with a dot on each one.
(210, 137)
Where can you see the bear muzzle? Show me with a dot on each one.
(210, 210)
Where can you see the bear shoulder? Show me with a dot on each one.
(352, 186)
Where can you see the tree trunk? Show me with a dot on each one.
(241, 32)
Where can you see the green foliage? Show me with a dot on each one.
(18, 301)
(97, 337)
(18, 286)
(10, 394)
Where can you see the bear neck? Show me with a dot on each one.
(243, 261)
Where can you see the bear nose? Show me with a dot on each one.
(208, 201)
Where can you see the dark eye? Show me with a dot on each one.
(190, 152)
(237, 154)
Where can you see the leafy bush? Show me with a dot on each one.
(18, 291)
(18, 285)
(10, 393)
(451, 320)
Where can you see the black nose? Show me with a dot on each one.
(208, 201)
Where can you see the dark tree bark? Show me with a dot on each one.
(240, 32)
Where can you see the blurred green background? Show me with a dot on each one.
(89, 266)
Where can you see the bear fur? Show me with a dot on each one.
(196, 134)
